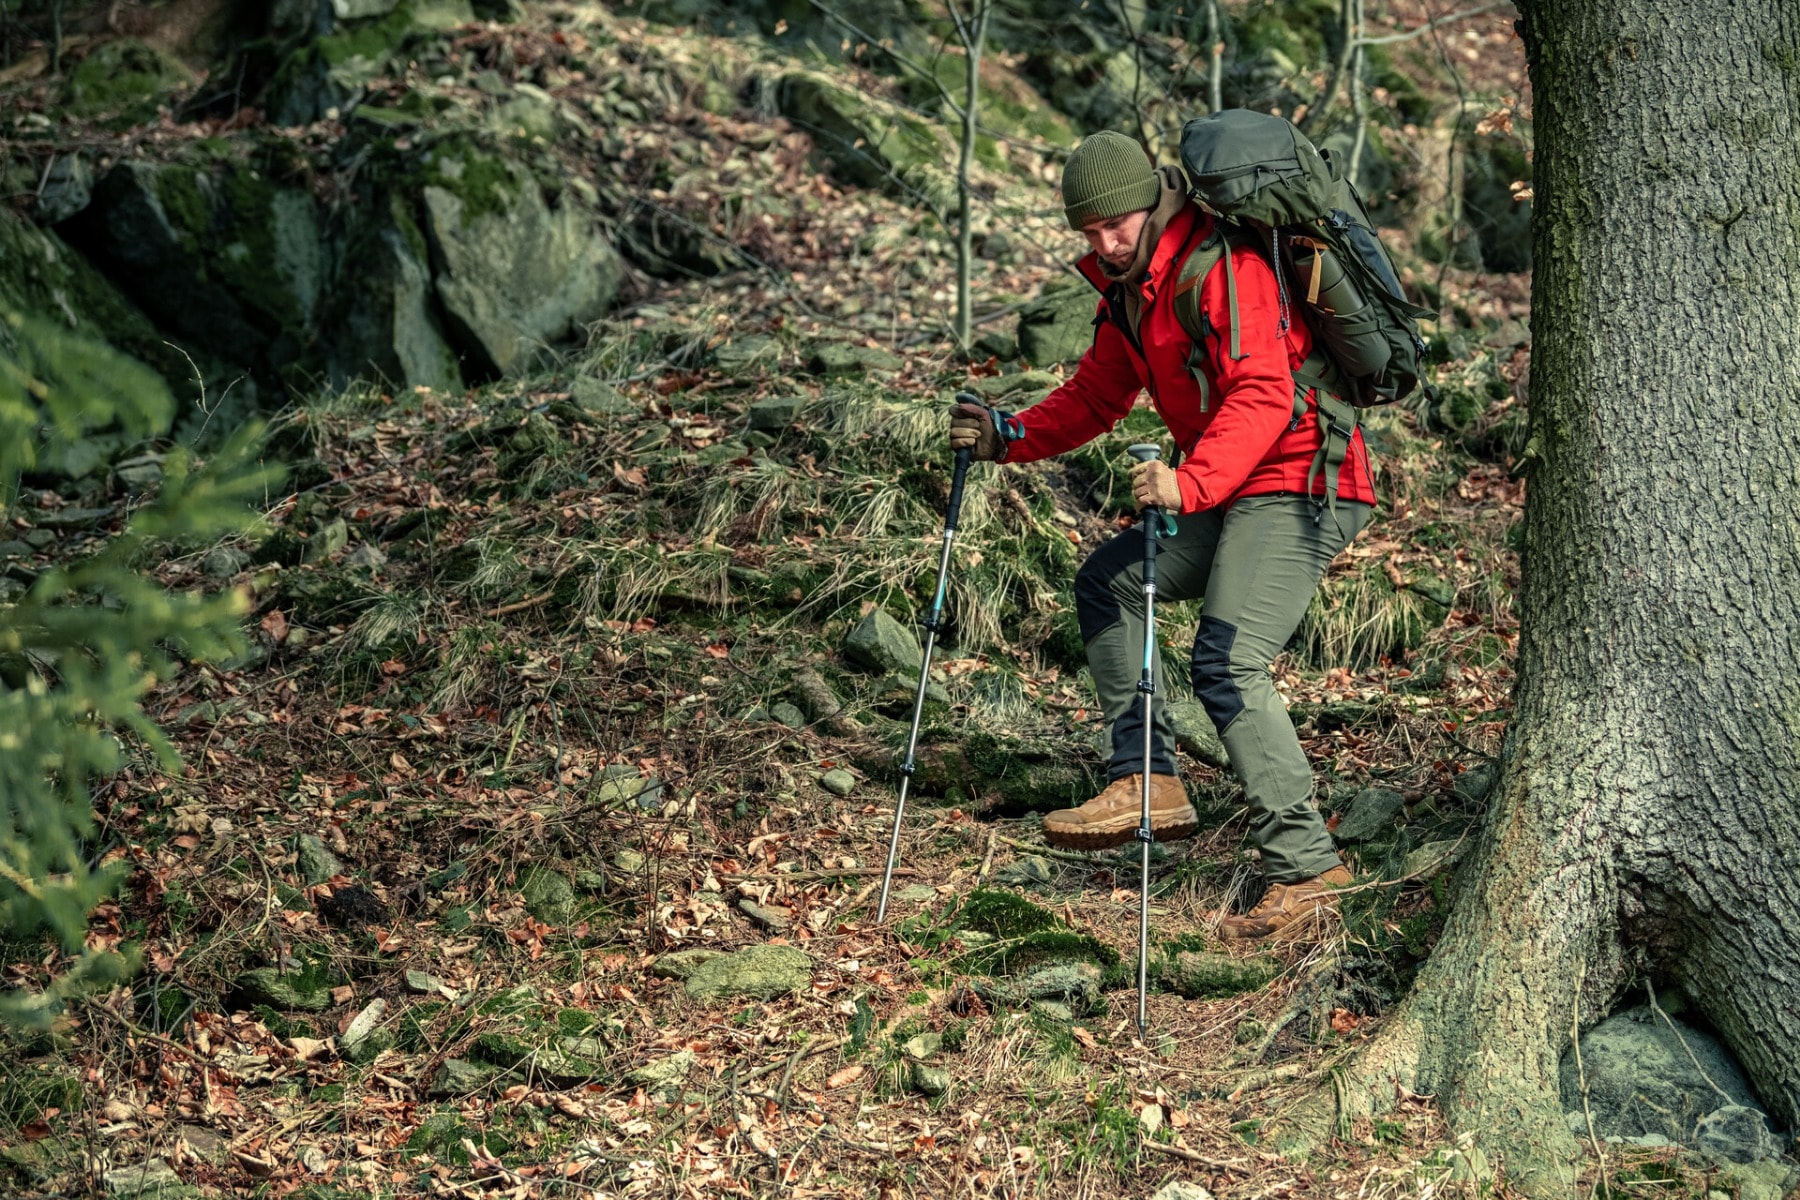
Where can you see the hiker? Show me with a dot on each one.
(1257, 521)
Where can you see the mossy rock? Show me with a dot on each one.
(1493, 163)
(124, 80)
(1025, 935)
(1004, 914)
(305, 990)
(515, 274)
(866, 141)
(548, 895)
(214, 250)
(1058, 327)
(1003, 774)
(1206, 975)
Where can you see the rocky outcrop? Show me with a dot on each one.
(216, 251)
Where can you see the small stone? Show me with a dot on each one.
(599, 398)
(139, 474)
(787, 714)
(929, 1080)
(774, 416)
(1435, 856)
(923, 1046)
(71, 518)
(15, 549)
(548, 895)
(897, 692)
(664, 1071)
(152, 1179)
(882, 645)
(326, 541)
(366, 556)
(39, 539)
(424, 984)
(315, 863)
(1033, 870)
(997, 344)
(1074, 983)
(1372, 815)
(222, 562)
(838, 782)
(761, 972)
(1473, 785)
(644, 790)
(680, 964)
(363, 1040)
(743, 354)
(772, 917)
(1054, 1010)
(458, 1077)
(1181, 1189)
(756, 714)
(839, 358)
(996, 387)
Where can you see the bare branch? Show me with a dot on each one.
(1427, 27)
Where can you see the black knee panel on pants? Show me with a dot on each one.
(1096, 604)
(1218, 692)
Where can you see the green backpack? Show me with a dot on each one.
(1274, 191)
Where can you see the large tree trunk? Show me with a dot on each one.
(1648, 818)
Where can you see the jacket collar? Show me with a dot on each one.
(1164, 260)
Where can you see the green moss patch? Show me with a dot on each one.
(125, 79)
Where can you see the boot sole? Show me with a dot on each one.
(1105, 839)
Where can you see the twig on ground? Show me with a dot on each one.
(1194, 1156)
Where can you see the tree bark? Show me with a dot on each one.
(1647, 822)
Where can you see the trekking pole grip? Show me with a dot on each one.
(961, 473)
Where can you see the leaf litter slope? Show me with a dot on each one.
(472, 691)
(548, 593)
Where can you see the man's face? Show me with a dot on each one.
(1115, 239)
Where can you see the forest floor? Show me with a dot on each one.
(533, 700)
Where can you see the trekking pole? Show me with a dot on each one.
(1152, 518)
(932, 623)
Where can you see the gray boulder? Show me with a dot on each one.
(881, 644)
(1642, 1079)
(1373, 812)
(387, 322)
(1736, 1134)
(515, 276)
(1058, 327)
(759, 972)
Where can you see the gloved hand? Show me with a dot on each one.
(1154, 483)
(972, 429)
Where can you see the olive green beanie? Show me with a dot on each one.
(1107, 175)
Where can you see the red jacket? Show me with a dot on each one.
(1243, 441)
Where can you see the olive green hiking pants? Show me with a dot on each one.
(1257, 564)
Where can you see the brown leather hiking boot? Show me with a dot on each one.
(1112, 817)
(1284, 904)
